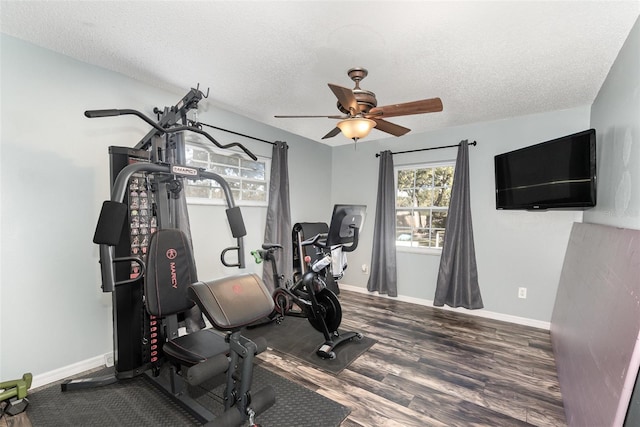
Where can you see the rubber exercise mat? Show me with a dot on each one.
(136, 402)
(296, 337)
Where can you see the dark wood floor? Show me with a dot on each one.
(437, 368)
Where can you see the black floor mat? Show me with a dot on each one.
(136, 402)
(296, 337)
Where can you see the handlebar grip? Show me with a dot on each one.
(101, 113)
(257, 256)
(223, 255)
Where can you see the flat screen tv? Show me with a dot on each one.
(556, 174)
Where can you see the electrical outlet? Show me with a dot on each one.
(522, 293)
(365, 269)
(108, 360)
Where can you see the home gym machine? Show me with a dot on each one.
(306, 294)
(147, 264)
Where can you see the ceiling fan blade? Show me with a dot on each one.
(333, 133)
(408, 108)
(346, 98)
(307, 117)
(392, 128)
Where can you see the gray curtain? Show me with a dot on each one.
(278, 226)
(457, 284)
(383, 278)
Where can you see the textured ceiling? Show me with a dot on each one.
(486, 60)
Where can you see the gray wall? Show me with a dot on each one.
(54, 176)
(616, 116)
(513, 248)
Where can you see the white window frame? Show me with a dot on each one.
(410, 247)
(234, 154)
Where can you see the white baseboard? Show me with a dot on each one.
(68, 371)
(480, 313)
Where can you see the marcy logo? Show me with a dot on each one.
(181, 170)
(174, 275)
(172, 253)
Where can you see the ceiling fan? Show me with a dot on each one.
(361, 111)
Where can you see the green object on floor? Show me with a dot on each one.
(16, 388)
(15, 393)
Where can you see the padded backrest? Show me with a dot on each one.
(170, 271)
(233, 302)
(113, 216)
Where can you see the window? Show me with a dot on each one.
(247, 178)
(423, 193)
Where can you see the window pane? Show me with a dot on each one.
(421, 218)
(198, 164)
(424, 177)
(198, 182)
(404, 199)
(437, 237)
(253, 186)
(217, 193)
(405, 178)
(442, 197)
(225, 170)
(234, 184)
(439, 219)
(253, 195)
(424, 197)
(421, 237)
(199, 155)
(254, 166)
(404, 219)
(443, 176)
(225, 160)
(403, 236)
(252, 174)
(193, 191)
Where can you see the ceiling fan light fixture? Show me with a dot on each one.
(356, 127)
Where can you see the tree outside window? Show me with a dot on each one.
(423, 194)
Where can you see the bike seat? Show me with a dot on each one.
(269, 246)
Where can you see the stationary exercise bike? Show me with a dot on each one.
(307, 294)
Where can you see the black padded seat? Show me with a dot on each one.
(196, 347)
(233, 302)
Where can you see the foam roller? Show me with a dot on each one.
(260, 402)
(206, 370)
(261, 344)
(230, 418)
(263, 400)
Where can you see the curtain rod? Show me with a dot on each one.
(427, 149)
(236, 133)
